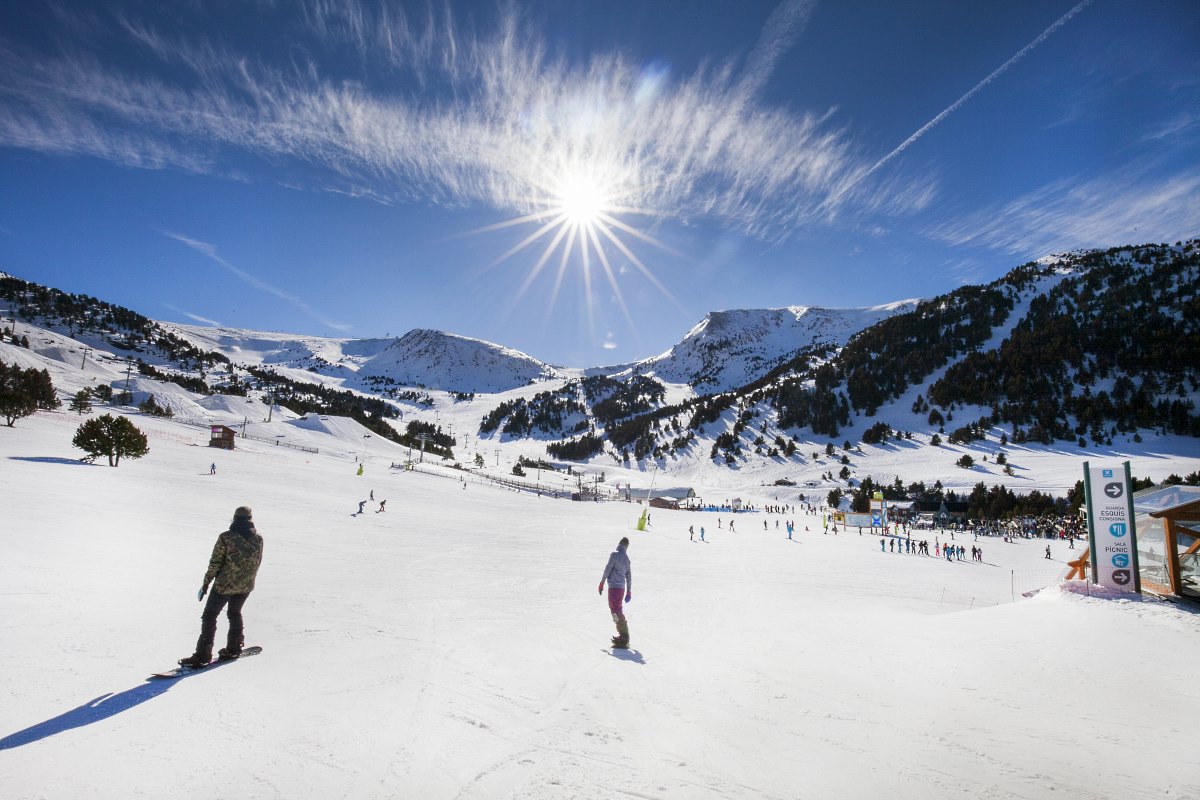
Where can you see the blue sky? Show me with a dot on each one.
(364, 168)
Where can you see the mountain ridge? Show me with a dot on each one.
(1088, 347)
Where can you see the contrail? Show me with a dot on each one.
(206, 249)
(1043, 36)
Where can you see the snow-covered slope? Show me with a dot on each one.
(728, 349)
(453, 646)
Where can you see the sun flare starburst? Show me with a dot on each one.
(578, 213)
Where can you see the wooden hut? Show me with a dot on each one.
(222, 437)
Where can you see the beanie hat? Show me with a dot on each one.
(242, 511)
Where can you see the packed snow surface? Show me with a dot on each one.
(454, 646)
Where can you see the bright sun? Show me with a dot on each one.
(578, 214)
(581, 200)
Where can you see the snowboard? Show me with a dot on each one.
(179, 672)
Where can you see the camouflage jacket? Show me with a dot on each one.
(235, 559)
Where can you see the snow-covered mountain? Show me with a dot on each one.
(420, 358)
(728, 349)
(1072, 349)
(454, 363)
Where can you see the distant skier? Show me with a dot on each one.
(692, 532)
(731, 530)
(213, 469)
(372, 496)
(702, 533)
(1047, 551)
(618, 572)
(233, 566)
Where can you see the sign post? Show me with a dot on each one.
(878, 511)
(1111, 534)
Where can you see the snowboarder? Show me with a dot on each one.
(360, 466)
(361, 503)
(212, 470)
(1047, 551)
(619, 575)
(692, 532)
(233, 566)
(381, 509)
(731, 530)
(702, 533)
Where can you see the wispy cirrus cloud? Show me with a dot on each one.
(210, 252)
(495, 117)
(1128, 206)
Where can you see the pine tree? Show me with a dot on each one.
(81, 403)
(16, 401)
(111, 436)
(41, 389)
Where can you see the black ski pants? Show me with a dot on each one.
(208, 621)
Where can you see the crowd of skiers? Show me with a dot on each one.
(950, 552)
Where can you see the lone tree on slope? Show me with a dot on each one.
(111, 436)
(16, 398)
(82, 402)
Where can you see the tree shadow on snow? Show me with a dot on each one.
(52, 460)
(633, 656)
(97, 710)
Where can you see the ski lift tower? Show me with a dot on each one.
(424, 437)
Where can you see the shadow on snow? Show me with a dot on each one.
(633, 656)
(97, 710)
(52, 460)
